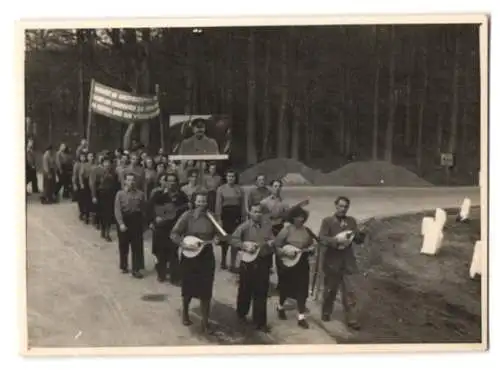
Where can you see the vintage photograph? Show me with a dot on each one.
(236, 187)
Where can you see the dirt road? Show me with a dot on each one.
(77, 297)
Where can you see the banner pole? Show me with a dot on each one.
(160, 117)
(89, 113)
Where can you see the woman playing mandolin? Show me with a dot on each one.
(293, 281)
(197, 271)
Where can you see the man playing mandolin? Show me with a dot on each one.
(337, 233)
(254, 238)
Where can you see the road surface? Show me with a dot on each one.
(77, 296)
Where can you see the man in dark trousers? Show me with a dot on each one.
(31, 175)
(166, 205)
(95, 177)
(339, 266)
(254, 276)
(129, 213)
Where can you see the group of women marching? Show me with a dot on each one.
(191, 209)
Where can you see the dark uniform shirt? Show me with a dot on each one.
(168, 206)
(128, 201)
(48, 163)
(63, 161)
(195, 146)
(95, 178)
(250, 231)
(335, 259)
(108, 180)
(30, 158)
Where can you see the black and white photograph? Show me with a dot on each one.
(289, 186)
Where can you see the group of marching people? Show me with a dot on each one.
(136, 191)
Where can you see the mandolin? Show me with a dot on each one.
(296, 254)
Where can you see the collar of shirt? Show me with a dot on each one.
(197, 213)
(256, 224)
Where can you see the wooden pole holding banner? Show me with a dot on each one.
(89, 113)
(160, 117)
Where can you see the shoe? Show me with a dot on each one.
(186, 321)
(263, 328)
(108, 238)
(137, 275)
(124, 270)
(234, 270)
(354, 325)
(223, 266)
(303, 324)
(281, 314)
(325, 317)
(161, 279)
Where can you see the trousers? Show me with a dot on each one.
(253, 289)
(132, 240)
(346, 283)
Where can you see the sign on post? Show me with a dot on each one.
(447, 160)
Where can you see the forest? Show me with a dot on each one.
(321, 95)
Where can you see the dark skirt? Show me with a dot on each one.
(198, 275)
(293, 282)
(231, 218)
(106, 205)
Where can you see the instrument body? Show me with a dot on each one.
(247, 256)
(290, 261)
(196, 245)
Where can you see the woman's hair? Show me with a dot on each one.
(165, 175)
(195, 194)
(236, 175)
(297, 212)
(276, 180)
(192, 172)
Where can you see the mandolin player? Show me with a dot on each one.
(254, 236)
(339, 266)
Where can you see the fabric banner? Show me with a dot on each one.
(122, 105)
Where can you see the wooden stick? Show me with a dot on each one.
(160, 117)
(89, 114)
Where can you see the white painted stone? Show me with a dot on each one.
(476, 262)
(440, 218)
(465, 210)
(432, 241)
(427, 223)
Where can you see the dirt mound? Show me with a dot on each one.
(278, 168)
(366, 173)
(372, 173)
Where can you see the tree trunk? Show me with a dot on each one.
(421, 112)
(439, 134)
(375, 101)
(229, 76)
(282, 134)
(144, 86)
(267, 102)
(407, 135)
(389, 133)
(81, 99)
(452, 143)
(189, 94)
(296, 132)
(251, 150)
